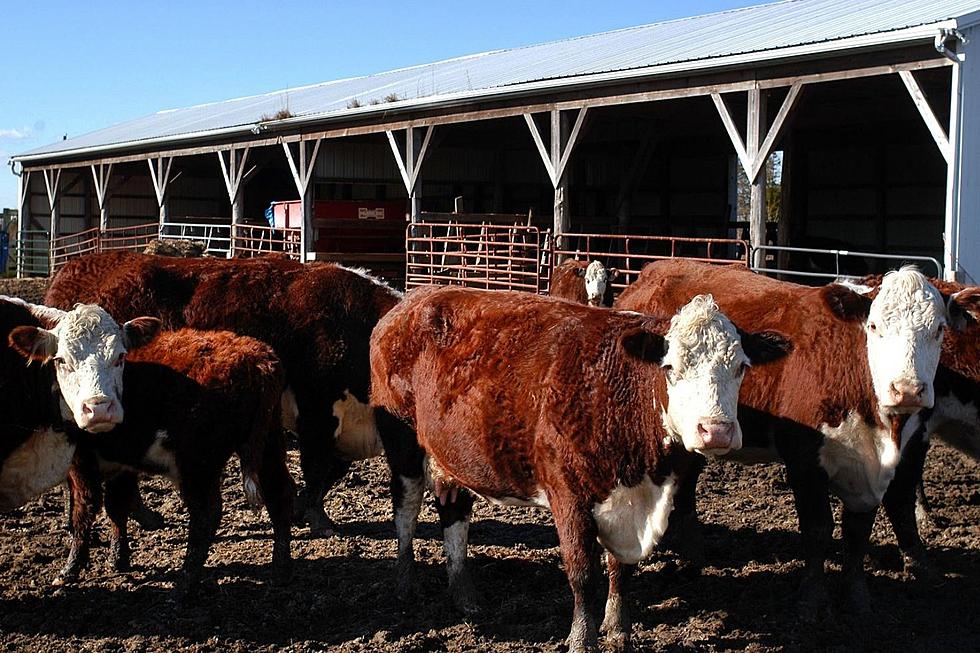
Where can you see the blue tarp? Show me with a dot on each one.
(4, 250)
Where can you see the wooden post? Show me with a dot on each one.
(951, 233)
(52, 180)
(555, 159)
(785, 228)
(756, 132)
(410, 163)
(100, 175)
(160, 176)
(302, 168)
(23, 215)
(233, 172)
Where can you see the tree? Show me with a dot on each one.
(774, 189)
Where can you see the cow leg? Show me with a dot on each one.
(577, 534)
(407, 483)
(617, 624)
(684, 529)
(812, 497)
(454, 517)
(277, 493)
(900, 507)
(923, 509)
(121, 497)
(321, 470)
(85, 489)
(856, 529)
(202, 496)
(147, 518)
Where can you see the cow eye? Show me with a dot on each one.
(743, 368)
(872, 327)
(58, 360)
(668, 372)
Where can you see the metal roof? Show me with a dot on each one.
(637, 51)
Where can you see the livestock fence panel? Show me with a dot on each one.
(476, 255)
(64, 248)
(215, 236)
(833, 264)
(629, 253)
(252, 240)
(133, 238)
(31, 254)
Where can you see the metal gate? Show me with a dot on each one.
(629, 253)
(484, 255)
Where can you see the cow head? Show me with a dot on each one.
(596, 278)
(904, 324)
(704, 359)
(89, 350)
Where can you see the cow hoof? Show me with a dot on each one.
(813, 605)
(465, 598)
(579, 644)
(148, 519)
(618, 642)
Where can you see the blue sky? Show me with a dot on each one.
(71, 67)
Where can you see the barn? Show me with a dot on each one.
(789, 135)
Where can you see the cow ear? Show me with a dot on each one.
(33, 343)
(644, 345)
(765, 346)
(964, 308)
(845, 303)
(140, 332)
(579, 272)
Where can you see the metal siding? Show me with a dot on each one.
(967, 158)
(741, 31)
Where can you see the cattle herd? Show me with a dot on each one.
(145, 365)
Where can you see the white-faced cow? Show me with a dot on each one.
(36, 400)
(193, 399)
(584, 282)
(533, 401)
(834, 409)
(317, 318)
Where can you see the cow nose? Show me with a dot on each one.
(716, 435)
(98, 409)
(907, 392)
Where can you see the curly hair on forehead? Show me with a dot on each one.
(86, 320)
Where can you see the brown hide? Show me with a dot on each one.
(820, 381)
(510, 392)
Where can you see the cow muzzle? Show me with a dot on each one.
(99, 414)
(906, 396)
(716, 435)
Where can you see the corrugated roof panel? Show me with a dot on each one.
(739, 31)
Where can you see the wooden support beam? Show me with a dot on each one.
(52, 180)
(233, 173)
(25, 190)
(409, 161)
(755, 132)
(736, 138)
(775, 131)
(556, 156)
(160, 168)
(928, 115)
(100, 176)
(302, 166)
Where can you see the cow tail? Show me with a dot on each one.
(265, 421)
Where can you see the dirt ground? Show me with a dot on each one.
(341, 594)
(31, 290)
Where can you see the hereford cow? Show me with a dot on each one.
(193, 398)
(530, 401)
(582, 282)
(84, 385)
(953, 418)
(317, 317)
(833, 410)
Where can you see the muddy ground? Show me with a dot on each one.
(341, 594)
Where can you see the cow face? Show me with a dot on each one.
(905, 328)
(89, 350)
(596, 278)
(705, 360)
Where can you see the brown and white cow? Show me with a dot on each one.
(583, 282)
(834, 409)
(85, 386)
(193, 399)
(317, 317)
(527, 400)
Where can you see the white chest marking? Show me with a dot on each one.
(36, 466)
(290, 410)
(160, 457)
(632, 520)
(860, 460)
(357, 433)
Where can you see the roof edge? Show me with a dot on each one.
(891, 37)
